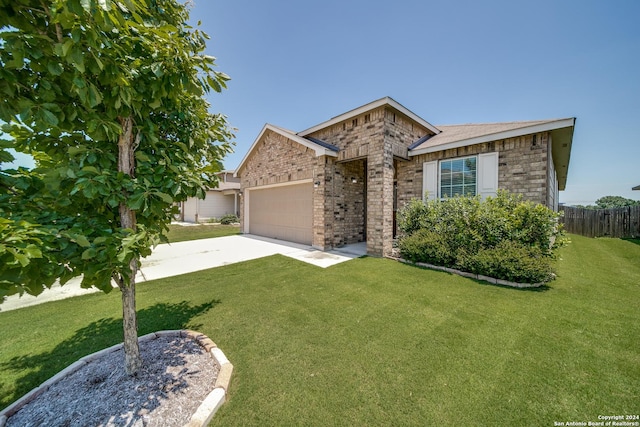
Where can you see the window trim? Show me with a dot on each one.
(487, 171)
(452, 159)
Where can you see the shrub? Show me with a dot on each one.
(456, 231)
(412, 217)
(426, 246)
(228, 219)
(511, 261)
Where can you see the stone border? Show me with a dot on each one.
(200, 418)
(488, 279)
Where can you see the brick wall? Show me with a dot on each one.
(277, 159)
(354, 136)
(522, 169)
(523, 166)
(348, 203)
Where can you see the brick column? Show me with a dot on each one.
(380, 201)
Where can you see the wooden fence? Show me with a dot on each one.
(619, 222)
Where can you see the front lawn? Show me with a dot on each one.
(376, 342)
(180, 233)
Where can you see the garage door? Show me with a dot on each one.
(284, 213)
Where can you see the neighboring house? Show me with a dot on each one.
(341, 182)
(217, 202)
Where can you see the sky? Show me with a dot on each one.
(297, 63)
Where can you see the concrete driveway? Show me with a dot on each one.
(185, 257)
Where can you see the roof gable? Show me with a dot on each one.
(321, 148)
(386, 101)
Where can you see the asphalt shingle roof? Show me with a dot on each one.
(455, 133)
(322, 143)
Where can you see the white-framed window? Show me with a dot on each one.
(458, 177)
(469, 175)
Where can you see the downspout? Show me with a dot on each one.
(235, 203)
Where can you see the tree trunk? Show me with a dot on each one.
(126, 164)
(132, 360)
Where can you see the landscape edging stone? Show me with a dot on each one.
(200, 418)
(488, 279)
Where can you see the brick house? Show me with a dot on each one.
(341, 181)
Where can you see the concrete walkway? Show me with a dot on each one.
(185, 257)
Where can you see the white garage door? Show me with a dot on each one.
(284, 213)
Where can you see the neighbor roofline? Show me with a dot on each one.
(526, 130)
(319, 150)
(368, 107)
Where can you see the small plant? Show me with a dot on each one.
(228, 219)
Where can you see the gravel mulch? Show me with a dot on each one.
(176, 377)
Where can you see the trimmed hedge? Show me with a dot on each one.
(502, 237)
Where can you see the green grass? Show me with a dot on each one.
(376, 342)
(180, 233)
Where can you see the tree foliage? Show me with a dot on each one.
(611, 202)
(109, 98)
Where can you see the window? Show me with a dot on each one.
(458, 177)
(462, 176)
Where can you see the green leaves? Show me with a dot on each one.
(81, 240)
(136, 201)
(86, 5)
(55, 68)
(164, 197)
(71, 70)
(49, 117)
(94, 97)
(89, 253)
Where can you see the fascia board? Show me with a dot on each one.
(542, 127)
(319, 150)
(368, 107)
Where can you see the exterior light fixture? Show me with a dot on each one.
(354, 180)
(316, 184)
